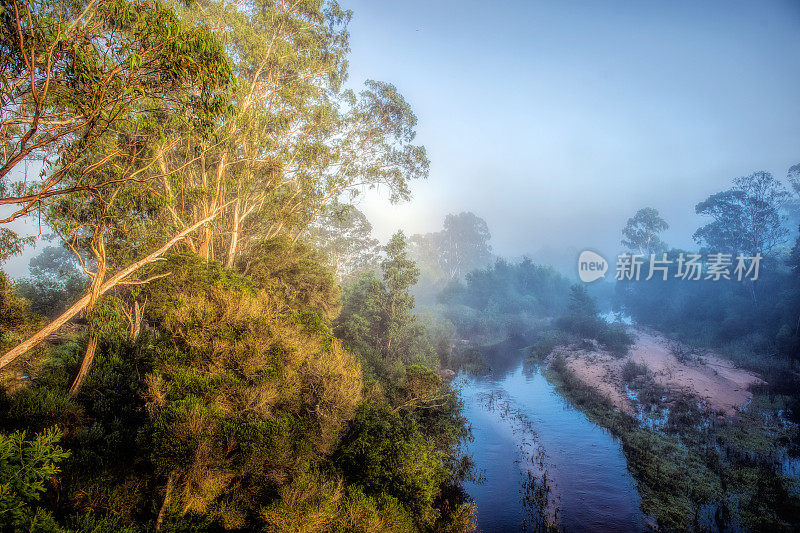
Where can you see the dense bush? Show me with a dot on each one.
(16, 319)
(294, 270)
(582, 320)
(246, 363)
(632, 370)
(504, 299)
(763, 314)
(384, 451)
(545, 342)
(227, 411)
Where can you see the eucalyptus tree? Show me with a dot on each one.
(464, 244)
(295, 142)
(170, 79)
(238, 162)
(451, 253)
(344, 235)
(70, 74)
(641, 232)
(745, 218)
(399, 275)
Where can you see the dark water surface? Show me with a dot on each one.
(528, 439)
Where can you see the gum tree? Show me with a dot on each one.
(167, 77)
(70, 74)
(641, 232)
(295, 142)
(746, 218)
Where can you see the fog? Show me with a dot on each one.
(555, 122)
(216, 341)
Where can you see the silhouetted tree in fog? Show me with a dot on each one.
(746, 218)
(641, 233)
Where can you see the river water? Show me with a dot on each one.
(539, 461)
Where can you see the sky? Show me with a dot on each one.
(557, 120)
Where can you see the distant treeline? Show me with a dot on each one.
(754, 321)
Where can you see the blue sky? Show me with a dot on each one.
(556, 121)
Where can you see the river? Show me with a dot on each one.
(540, 461)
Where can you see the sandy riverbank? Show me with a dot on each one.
(708, 377)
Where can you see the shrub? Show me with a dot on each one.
(632, 370)
(581, 319)
(385, 452)
(313, 503)
(545, 342)
(295, 272)
(25, 466)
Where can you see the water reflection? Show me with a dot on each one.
(541, 461)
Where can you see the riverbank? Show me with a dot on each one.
(709, 445)
(695, 468)
(708, 378)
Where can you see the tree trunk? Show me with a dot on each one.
(165, 504)
(78, 306)
(136, 323)
(234, 236)
(99, 249)
(88, 358)
(205, 250)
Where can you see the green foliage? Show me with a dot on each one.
(545, 342)
(399, 275)
(377, 321)
(311, 503)
(294, 272)
(235, 362)
(10, 243)
(673, 480)
(746, 218)
(16, 319)
(404, 444)
(228, 409)
(106, 320)
(293, 143)
(504, 299)
(25, 466)
(641, 232)
(97, 84)
(582, 320)
(418, 387)
(386, 452)
(247, 367)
